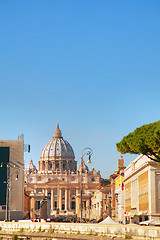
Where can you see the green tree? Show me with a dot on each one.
(144, 140)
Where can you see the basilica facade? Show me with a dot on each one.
(57, 187)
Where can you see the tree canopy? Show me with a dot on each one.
(144, 140)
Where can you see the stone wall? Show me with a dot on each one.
(83, 228)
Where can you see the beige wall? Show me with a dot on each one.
(128, 197)
(143, 191)
(142, 188)
(89, 230)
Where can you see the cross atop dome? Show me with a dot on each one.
(57, 132)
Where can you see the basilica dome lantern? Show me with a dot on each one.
(57, 155)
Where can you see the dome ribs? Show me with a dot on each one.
(59, 152)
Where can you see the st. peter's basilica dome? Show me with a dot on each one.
(57, 154)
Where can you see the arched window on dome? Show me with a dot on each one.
(57, 165)
(39, 178)
(43, 165)
(64, 166)
(49, 165)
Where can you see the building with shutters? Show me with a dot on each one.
(142, 190)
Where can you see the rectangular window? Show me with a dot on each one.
(73, 205)
(73, 192)
(37, 205)
(63, 192)
(55, 204)
(55, 191)
(4, 159)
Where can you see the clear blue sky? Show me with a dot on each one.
(93, 66)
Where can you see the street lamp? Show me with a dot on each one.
(110, 199)
(9, 185)
(89, 152)
(116, 197)
(49, 205)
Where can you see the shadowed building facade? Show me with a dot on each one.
(57, 182)
(11, 181)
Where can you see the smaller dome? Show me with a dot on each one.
(83, 167)
(31, 167)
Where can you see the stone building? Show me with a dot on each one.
(97, 206)
(11, 181)
(57, 184)
(113, 177)
(142, 191)
(119, 198)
